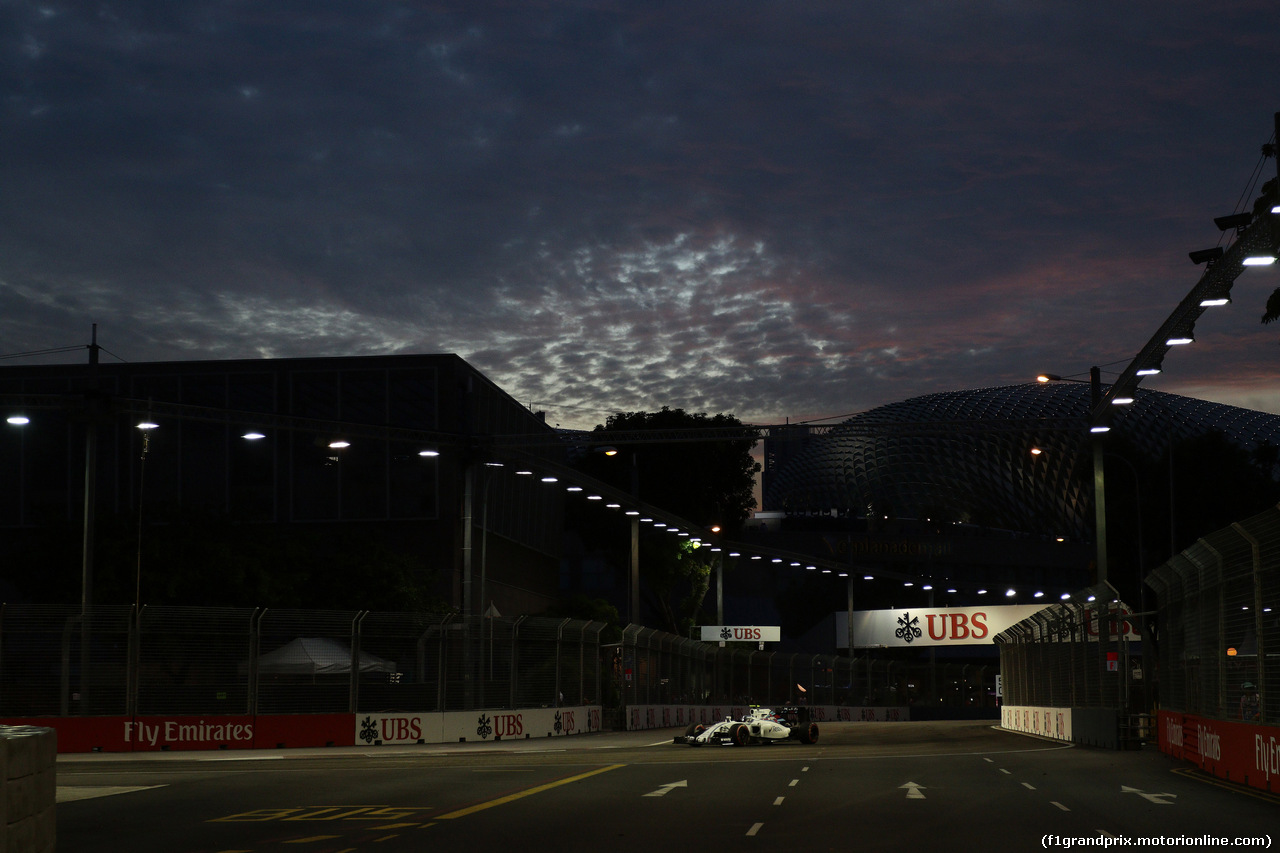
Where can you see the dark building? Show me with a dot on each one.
(297, 468)
(947, 487)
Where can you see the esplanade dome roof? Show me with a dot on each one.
(966, 455)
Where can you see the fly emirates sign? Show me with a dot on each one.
(930, 626)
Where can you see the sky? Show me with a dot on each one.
(780, 210)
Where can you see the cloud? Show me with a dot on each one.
(780, 210)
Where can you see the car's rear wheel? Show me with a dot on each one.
(809, 733)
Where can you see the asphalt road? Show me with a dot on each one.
(864, 786)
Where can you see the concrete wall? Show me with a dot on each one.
(28, 755)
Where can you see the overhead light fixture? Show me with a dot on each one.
(1259, 261)
(525, 472)
(1048, 377)
(149, 425)
(1100, 428)
(1153, 370)
(429, 453)
(1235, 220)
(1215, 301)
(549, 479)
(1065, 596)
(1010, 593)
(1122, 401)
(1204, 256)
(609, 451)
(1035, 451)
(1178, 340)
(18, 420)
(253, 435)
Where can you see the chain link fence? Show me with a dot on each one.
(54, 661)
(1220, 625)
(1080, 653)
(654, 668)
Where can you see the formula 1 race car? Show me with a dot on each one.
(760, 725)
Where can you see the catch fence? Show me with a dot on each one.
(1081, 653)
(1220, 623)
(226, 661)
(650, 667)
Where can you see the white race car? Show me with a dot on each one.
(760, 725)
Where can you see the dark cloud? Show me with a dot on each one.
(774, 209)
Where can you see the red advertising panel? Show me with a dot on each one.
(144, 734)
(1241, 752)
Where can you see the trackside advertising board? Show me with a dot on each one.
(930, 626)
(956, 626)
(747, 633)
(1240, 751)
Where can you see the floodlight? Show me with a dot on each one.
(1235, 220)
(1205, 255)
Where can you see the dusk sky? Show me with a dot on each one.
(778, 210)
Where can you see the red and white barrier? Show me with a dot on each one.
(1248, 753)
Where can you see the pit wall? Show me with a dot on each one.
(1247, 753)
(641, 717)
(27, 759)
(1090, 726)
(146, 734)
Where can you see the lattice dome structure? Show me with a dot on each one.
(966, 455)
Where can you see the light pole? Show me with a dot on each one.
(1096, 429)
(633, 576)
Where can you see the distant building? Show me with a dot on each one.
(203, 461)
(945, 487)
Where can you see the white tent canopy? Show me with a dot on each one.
(317, 656)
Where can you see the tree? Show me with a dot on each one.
(709, 483)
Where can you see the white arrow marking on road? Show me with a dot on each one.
(913, 791)
(1155, 798)
(662, 792)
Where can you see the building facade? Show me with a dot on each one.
(382, 456)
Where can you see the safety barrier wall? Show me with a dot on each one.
(27, 821)
(641, 717)
(1089, 726)
(1241, 752)
(290, 731)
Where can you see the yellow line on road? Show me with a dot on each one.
(478, 807)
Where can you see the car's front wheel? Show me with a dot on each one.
(740, 735)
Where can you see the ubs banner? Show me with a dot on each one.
(959, 626)
(929, 626)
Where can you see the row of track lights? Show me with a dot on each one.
(249, 435)
(738, 554)
(342, 444)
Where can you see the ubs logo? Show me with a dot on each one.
(484, 726)
(910, 628)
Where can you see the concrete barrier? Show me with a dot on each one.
(28, 755)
